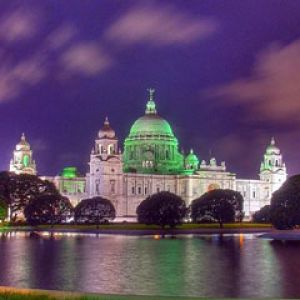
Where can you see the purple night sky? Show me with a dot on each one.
(226, 75)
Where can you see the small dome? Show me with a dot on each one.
(106, 131)
(272, 148)
(192, 158)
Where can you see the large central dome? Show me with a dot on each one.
(151, 146)
(151, 124)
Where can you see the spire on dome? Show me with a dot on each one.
(272, 141)
(23, 138)
(151, 107)
(106, 122)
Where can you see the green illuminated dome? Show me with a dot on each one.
(151, 124)
(69, 173)
(151, 146)
(192, 158)
(191, 161)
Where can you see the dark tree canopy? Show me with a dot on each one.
(94, 211)
(219, 206)
(285, 204)
(161, 209)
(3, 209)
(263, 215)
(18, 190)
(48, 209)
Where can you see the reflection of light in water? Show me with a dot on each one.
(241, 240)
(156, 237)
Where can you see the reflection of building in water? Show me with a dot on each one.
(151, 162)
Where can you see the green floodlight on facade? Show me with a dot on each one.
(69, 172)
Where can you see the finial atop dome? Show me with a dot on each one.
(151, 107)
(106, 122)
(151, 94)
(272, 141)
(23, 138)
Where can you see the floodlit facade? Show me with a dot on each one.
(151, 162)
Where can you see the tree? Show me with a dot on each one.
(3, 210)
(285, 204)
(48, 209)
(161, 209)
(18, 190)
(94, 211)
(219, 206)
(263, 215)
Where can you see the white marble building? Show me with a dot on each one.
(151, 162)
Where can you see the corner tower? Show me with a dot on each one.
(151, 147)
(105, 175)
(272, 168)
(22, 162)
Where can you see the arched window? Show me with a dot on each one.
(111, 149)
(167, 154)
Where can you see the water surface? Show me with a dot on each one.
(212, 266)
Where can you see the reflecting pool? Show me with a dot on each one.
(212, 266)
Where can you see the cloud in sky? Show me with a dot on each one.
(160, 26)
(61, 36)
(15, 77)
(18, 25)
(62, 51)
(272, 92)
(86, 58)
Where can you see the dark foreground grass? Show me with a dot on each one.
(22, 294)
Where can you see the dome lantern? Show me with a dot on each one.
(151, 106)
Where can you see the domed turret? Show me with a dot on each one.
(151, 146)
(107, 141)
(272, 168)
(106, 132)
(22, 162)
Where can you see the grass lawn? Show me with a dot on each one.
(3, 226)
(7, 293)
(135, 226)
